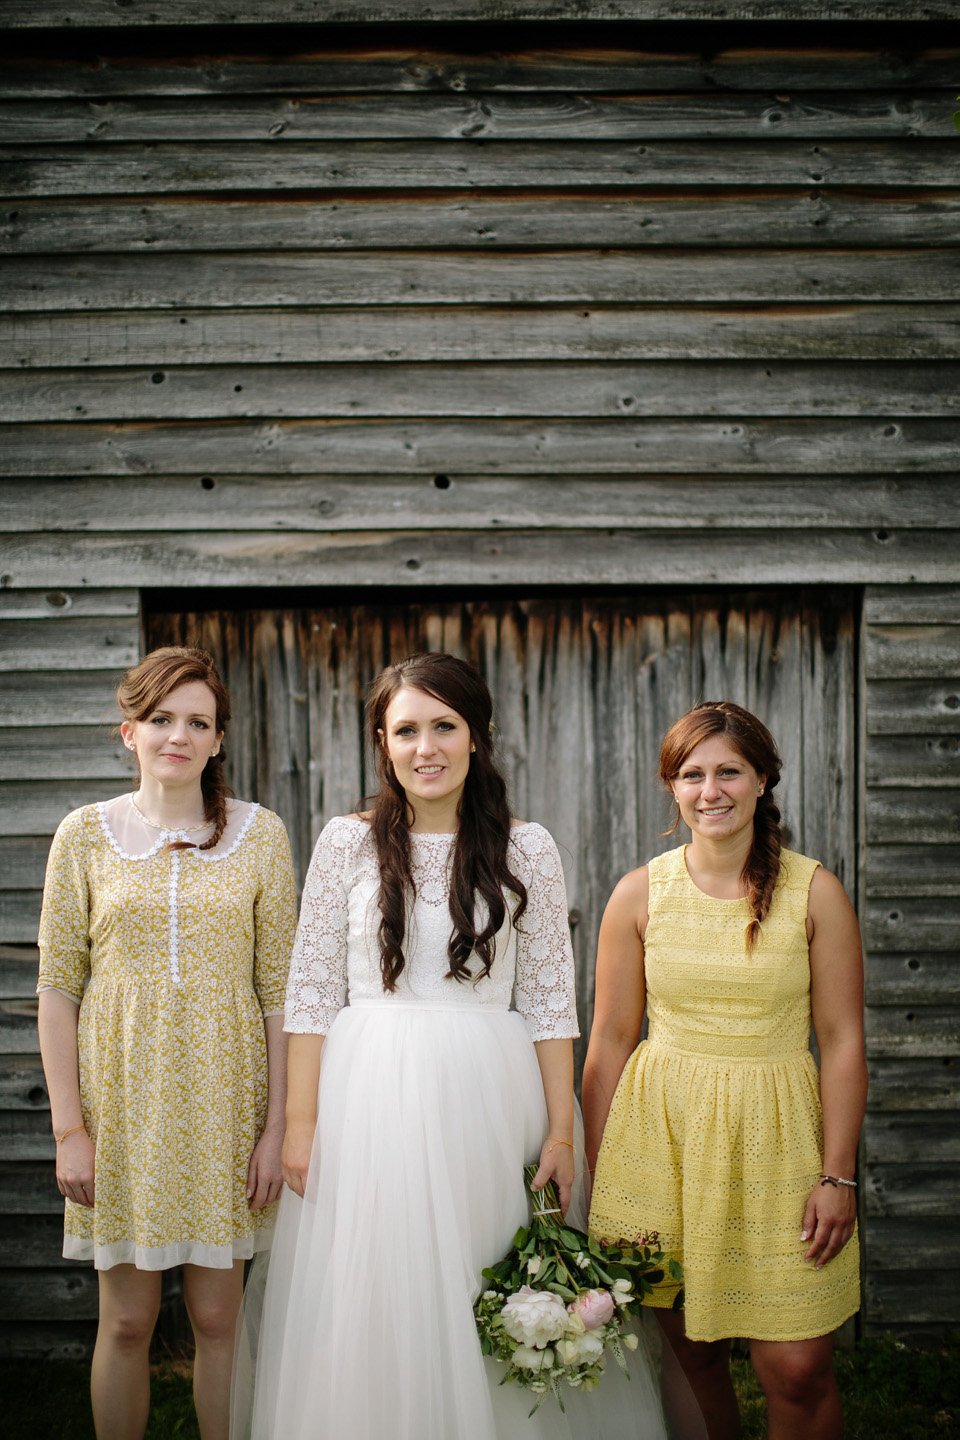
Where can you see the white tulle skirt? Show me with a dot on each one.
(365, 1328)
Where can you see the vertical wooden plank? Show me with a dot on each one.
(828, 804)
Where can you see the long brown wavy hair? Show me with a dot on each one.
(144, 689)
(480, 869)
(751, 739)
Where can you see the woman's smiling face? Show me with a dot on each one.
(717, 789)
(428, 744)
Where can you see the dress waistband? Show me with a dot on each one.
(431, 1005)
(718, 1057)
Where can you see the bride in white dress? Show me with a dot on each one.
(423, 922)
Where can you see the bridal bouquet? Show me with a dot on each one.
(561, 1300)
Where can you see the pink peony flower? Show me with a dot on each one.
(595, 1308)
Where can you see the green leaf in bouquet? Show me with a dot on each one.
(678, 1301)
(519, 1240)
(676, 1269)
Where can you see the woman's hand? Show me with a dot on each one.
(556, 1163)
(265, 1172)
(76, 1162)
(297, 1147)
(828, 1221)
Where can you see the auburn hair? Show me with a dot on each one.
(144, 689)
(751, 739)
(480, 870)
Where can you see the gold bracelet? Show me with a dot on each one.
(72, 1131)
(560, 1142)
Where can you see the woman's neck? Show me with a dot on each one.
(717, 865)
(440, 818)
(175, 807)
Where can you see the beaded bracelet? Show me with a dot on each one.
(836, 1180)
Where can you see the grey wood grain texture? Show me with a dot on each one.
(297, 504)
(911, 976)
(922, 1030)
(18, 1031)
(781, 219)
(935, 1243)
(911, 652)
(29, 1187)
(56, 604)
(915, 759)
(788, 446)
(911, 923)
(914, 605)
(51, 14)
(65, 1341)
(902, 816)
(18, 963)
(566, 66)
(894, 870)
(909, 1193)
(832, 115)
(56, 1293)
(36, 807)
(908, 1138)
(929, 1299)
(65, 752)
(70, 642)
(33, 1241)
(926, 1084)
(467, 333)
(55, 697)
(22, 1086)
(412, 560)
(238, 280)
(897, 707)
(350, 165)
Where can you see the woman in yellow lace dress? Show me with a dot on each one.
(717, 1132)
(167, 926)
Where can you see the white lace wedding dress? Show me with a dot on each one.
(430, 1103)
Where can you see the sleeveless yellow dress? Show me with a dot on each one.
(715, 1136)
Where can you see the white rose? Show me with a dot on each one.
(534, 1317)
(569, 1352)
(527, 1359)
(630, 1341)
(533, 1265)
(589, 1347)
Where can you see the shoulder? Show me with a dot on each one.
(667, 866)
(531, 843)
(80, 826)
(630, 899)
(798, 871)
(344, 834)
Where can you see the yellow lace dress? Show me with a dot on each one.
(714, 1138)
(174, 957)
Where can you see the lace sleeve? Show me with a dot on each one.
(317, 988)
(545, 986)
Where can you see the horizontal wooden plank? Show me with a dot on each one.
(910, 1139)
(912, 978)
(493, 165)
(36, 807)
(511, 558)
(466, 502)
(904, 816)
(56, 604)
(71, 642)
(929, 1297)
(18, 963)
(31, 1242)
(900, 1083)
(572, 63)
(661, 387)
(902, 707)
(820, 218)
(895, 870)
(921, 1030)
(51, 1341)
(624, 445)
(29, 1187)
(18, 1018)
(62, 1293)
(19, 919)
(53, 14)
(910, 923)
(348, 335)
(891, 1245)
(84, 752)
(58, 697)
(918, 605)
(908, 1192)
(832, 115)
(909, 652)
(558, 277)
(22, 1086)
(915, 759)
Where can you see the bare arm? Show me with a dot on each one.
(57, 1023)
(555, 1058)
(620, 1002)
(836, 997)
(303, 1078)
(265, 1174)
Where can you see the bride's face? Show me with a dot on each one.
(428, 745)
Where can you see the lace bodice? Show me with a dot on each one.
(336, 957)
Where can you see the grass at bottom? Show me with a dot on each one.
(888, 1391)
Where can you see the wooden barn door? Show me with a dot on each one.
(584, 688)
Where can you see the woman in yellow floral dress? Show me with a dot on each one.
(717, 1131)
(168, 921)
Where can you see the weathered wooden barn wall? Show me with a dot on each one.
(492, 308)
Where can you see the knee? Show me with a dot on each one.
(704, 1359)
(799, 1381)
(128, 1327)
(214, 1320)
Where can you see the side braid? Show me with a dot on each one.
(762, 869)
(214, 789)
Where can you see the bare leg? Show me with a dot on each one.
(120, 1378)
(698, 1397)
(803, 1402)
(212, 1299)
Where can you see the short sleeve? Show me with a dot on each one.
(317, 988)
(275, 916)
(64, 937)
(545, 986)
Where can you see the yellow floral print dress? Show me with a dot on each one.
(175, 957)
(715, 1135)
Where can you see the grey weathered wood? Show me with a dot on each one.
(899, 707)
(50, 13)
(273, 278)
(916, 759)
(927, 1084)
(519, 558)
(33, 1241)
(466, 333)
(910, 1192)
(18, 1034)
(928, 1298)
(649, 446)
(917, 1031)
(845, 218)
(911, 1139)
(70, 643)
(53, 698)
(57, 1293)
(831, 115)
(934, 1244)
(29, 1187)
(894, 870)
(216, 167)
(568, 66)
(22, 1086)
(909, 923)
(36, 807)
(910, 652)
(64, 752)
(912, 605)
(51, 1341)
(915, 816)
(57, 604)
(466, 502)
(18, 963)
